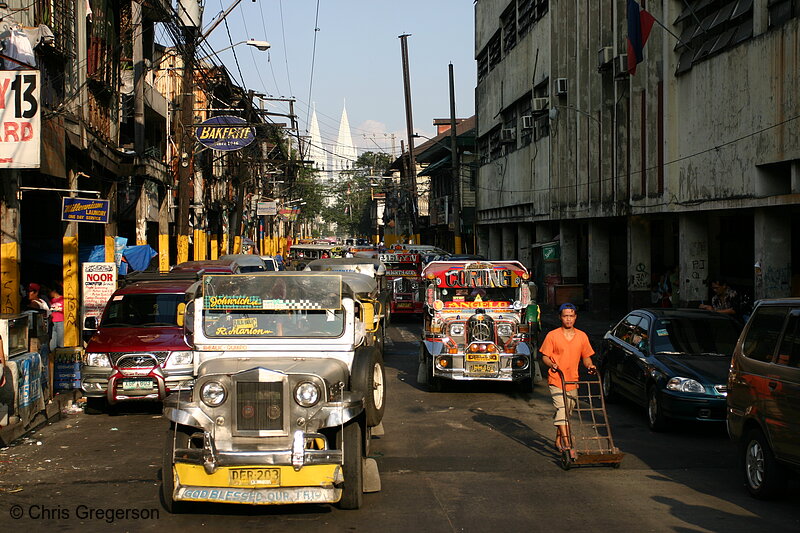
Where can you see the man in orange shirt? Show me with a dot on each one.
(562, 349)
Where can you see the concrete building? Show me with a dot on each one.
(601, 180)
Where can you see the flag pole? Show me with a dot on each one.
(670, 32)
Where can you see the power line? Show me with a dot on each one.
(313, 59)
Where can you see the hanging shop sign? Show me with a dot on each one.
(99, 283)
(20, 114)
(225, 133)
(84, 210)
(267, 208)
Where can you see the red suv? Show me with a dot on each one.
(139, 351)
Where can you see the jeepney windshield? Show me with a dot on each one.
(236, 306)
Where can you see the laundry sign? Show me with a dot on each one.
(20, 114)
(84, 210)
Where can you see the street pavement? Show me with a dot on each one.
(478, 457)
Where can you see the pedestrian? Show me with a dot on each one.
(563, 348)
(57, 317)
(725, 300)
(35, 300)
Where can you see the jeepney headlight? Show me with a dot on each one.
(505, 330)
(212, 394)
(456, 330)
(181, 358)
(517, 305)
(307, 394)
(97, 359)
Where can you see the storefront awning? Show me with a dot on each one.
(430, 169)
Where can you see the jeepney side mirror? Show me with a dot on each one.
(181, 314)
(368, 316)
(188, 318)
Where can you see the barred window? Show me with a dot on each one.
(494, 51)
(483, 64)
(508, 22)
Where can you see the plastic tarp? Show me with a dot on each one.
(136, 258)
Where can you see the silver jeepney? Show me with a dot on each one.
(289, 387)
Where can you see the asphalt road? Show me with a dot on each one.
(475, 458)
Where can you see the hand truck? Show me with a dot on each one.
(590, 441)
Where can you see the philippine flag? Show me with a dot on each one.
(640, 22)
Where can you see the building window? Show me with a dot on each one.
(508, 22)
(709, 27)
(528, 13)
(508, 134)
(483, 65)
(494, 50)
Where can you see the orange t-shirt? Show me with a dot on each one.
(566, 354)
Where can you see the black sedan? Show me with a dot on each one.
(673, 361)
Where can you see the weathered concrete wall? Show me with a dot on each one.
(693, 252)
(773, 253)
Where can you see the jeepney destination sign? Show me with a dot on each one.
(481, 278)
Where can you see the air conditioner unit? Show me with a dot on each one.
(526, 122)
(604, 56)
(540, 104)
(561, 86)
(621, 65)
(508, 135)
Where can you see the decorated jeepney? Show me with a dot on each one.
(475, 327)
(403, 274)
(289, 385)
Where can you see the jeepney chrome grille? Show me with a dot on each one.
(132, 362)
(259, 406)
(481, 331)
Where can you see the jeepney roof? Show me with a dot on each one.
(354, 285)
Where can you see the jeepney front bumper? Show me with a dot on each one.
(260, 477)
(462, 366)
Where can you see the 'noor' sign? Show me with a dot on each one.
(225, 133)
(20, 118)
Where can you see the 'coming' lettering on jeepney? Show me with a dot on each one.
(479, 278)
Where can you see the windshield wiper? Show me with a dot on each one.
(716, 354)
(670, 353)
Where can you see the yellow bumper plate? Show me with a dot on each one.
(310, 484)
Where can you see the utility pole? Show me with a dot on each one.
(412, 163)
(191, 15)
(454, 161)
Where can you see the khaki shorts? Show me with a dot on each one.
(562, 411)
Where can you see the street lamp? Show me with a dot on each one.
(260, 45)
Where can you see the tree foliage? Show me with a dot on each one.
(351, 210)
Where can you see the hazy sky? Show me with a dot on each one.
(358, 60)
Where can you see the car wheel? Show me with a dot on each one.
(95, 406)
(655, 416)
(349, 441)
(609, 394)
(177, 437)
(370, 378)
(763, 476)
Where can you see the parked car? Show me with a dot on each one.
(764, 396)
(138, 351)
(215, 266)
(674, 362)
(272, 263)
(247, 262)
